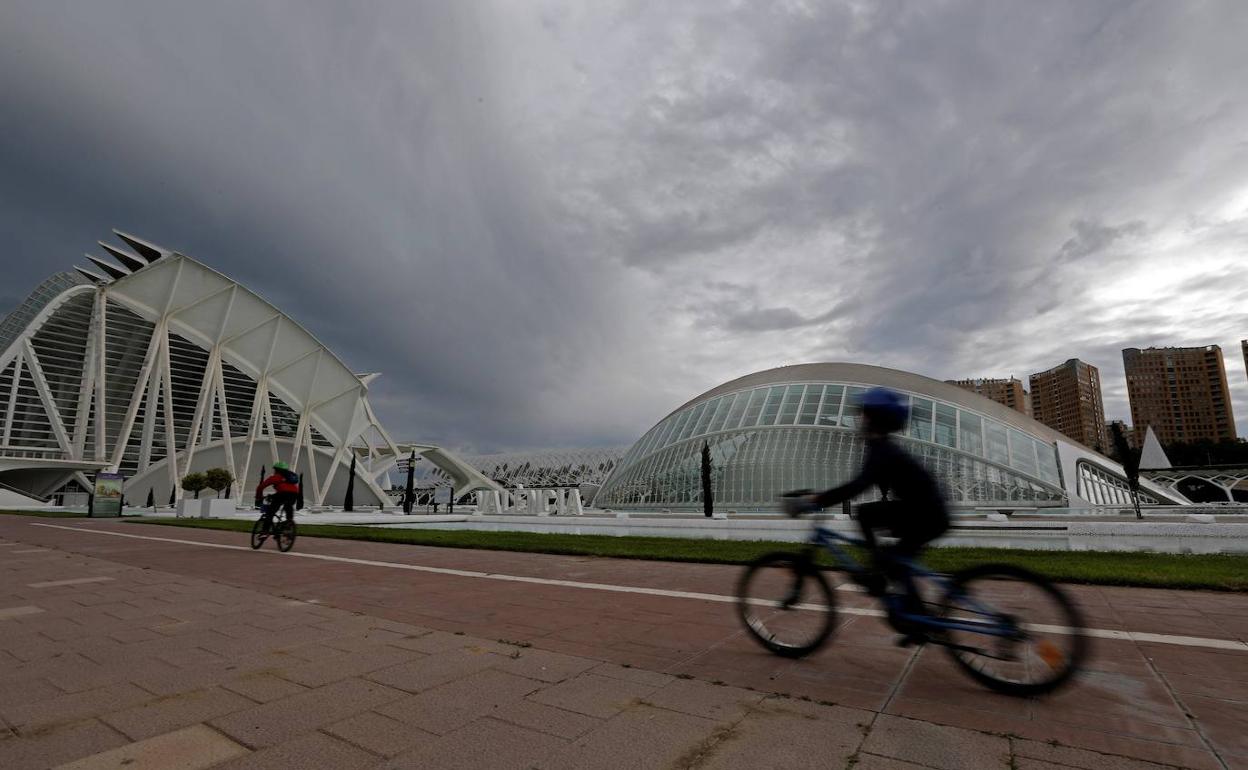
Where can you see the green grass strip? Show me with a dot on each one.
(1217, 572)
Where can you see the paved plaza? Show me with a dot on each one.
(141, 646)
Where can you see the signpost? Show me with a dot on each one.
(108, 491)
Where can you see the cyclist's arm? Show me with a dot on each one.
(846, 491)
(271, 481)
(870, 474)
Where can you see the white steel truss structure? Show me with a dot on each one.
(161, 366)
(536, 469)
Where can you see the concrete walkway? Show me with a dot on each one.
(121, 647)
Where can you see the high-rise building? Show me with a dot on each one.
(1067, 398)
(1005, 391)
(1180, 392)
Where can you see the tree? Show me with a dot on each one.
(348, 500)
(194, 482)
(408, 491)
(708, 505)
(218, 479)
(1131, 465)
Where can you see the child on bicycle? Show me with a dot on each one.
(285, 483)
(913, 508)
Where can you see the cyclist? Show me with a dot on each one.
(285, 483)
(912, 510)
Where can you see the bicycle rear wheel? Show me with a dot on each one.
(786, 604)
(284, 532)
(259, 532)
(1045, 645)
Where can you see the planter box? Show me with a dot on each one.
(216, 508)
(187, 506)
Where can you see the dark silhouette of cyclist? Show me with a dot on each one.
(912, 509)
(285, 483)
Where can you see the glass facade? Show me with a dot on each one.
(778, 437)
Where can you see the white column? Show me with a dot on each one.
(17, 380)
(101, 339)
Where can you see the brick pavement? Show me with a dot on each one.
(116, 650)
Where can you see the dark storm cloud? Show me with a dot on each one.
(549, 224)
(1093, 238)
(352, 167)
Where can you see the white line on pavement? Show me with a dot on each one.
(70, 582)
(17, 612)
(1102, 633)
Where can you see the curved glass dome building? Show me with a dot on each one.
(795, 427)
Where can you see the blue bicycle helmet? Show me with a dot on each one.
(886, 410)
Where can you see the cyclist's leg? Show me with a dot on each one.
(871, 517)
(288, 506)
(913, 535)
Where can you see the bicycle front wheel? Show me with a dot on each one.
(284, 532)
(1033, 635)
(259, 532)
(786, 604)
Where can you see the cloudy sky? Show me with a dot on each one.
(550, 223)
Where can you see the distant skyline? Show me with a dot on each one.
(548, 224)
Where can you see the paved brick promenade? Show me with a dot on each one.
(143, 653)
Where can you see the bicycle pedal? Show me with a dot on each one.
(909, 640)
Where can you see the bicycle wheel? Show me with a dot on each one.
(284, 533)
(786, 604)
(1045, 645)
(259, 532)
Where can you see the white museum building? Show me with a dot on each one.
(157, 365)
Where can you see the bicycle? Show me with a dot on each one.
(282, 531)
(783, 594)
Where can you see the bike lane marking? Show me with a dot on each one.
(1101, 633)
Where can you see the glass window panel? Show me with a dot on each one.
(755, 408)
(738, 410)
(788, 408)
(1046, 454)
(772, 407)
(810, 405)
(664, 432)
(721, 413)
(687, 429)
(946, 425)
(970, 433)
(830, 410)
(994, 438)
(705, 419)
(921, 419)
(1022, 452)
(853, 404)
(681, 420)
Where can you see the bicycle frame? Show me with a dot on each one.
(832, 543)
